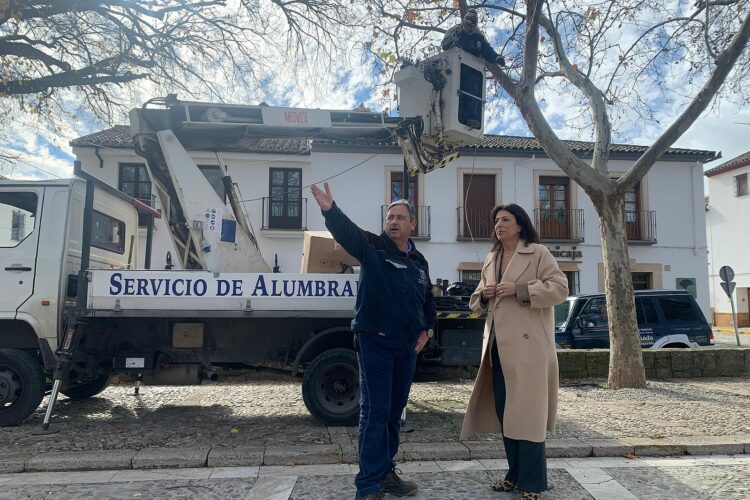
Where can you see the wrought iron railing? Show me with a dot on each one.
(474, 222)
(640, 226)
(559, 225)
(279, 214)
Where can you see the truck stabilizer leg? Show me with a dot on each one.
(62, 373)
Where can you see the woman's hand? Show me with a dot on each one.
(489, 291)
(505, 289)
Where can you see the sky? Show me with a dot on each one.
(45, 153)
(726, 131)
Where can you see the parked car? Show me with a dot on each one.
(666, 318)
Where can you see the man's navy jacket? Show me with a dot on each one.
(394, 300)
(473, 43)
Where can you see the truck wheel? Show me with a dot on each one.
(330, 387)
(22, 385)
(88, 389)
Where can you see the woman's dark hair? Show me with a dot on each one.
(528, 233)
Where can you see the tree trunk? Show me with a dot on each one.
(625, 358)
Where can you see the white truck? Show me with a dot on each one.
(74, 311)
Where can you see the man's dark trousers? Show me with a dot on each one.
(385, 376)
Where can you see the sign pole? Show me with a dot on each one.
(734, 320)
(727, 275)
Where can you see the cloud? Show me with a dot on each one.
(727, 131)
(353, 77)
(39, 155)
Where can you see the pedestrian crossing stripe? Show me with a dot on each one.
(456, 315)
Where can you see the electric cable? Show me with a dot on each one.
(466, 196)
(29, 164)
(316, 182)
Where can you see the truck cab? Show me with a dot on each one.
(41, 228)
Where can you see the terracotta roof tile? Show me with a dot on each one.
(737, 162)
(119, 137)
(508, 143)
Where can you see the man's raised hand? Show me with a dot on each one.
(324, 198)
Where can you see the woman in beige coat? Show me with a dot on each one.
(515, 392)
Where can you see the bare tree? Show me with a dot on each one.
(65, 57)
(621, 59)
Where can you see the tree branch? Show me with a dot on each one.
(600, 118)
(29, 52)
(724, 64)
(556, 149)
(531, 45)
(624, 58)
(60, 80)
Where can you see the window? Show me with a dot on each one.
(594, 313)
(574, 282)
(632, 213)
(134, 181)
(554, 204)
(397, 188)
(562, 311)
(479, 199)
(107, 233)
(17, 217)
(397, 193)
(678, 310)
(212, 173)
(740, 185)
(470, 99)
(285, 202)
(18, 225)
(642, 281)
(645, 311)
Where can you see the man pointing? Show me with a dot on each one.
(393, 320)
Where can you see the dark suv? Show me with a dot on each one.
(666, 318)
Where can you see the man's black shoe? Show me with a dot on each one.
(396, 486)
(375, 496)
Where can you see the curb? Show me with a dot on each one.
(743, 331)
(220, 456)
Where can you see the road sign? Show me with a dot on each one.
(727, 274)
(728, 288)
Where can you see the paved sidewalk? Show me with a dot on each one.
(723, 477)
(263, 421)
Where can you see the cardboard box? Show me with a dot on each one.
(321, 254)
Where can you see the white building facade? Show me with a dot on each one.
(728, 233)
(665, 212)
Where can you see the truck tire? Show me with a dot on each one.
(22, 385)
(87, 390)
(330, 387)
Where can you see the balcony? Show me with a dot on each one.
(559, 225)
(422, 230)
(290, 214)
(640, 227)
(474, 223)
(150, 201)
